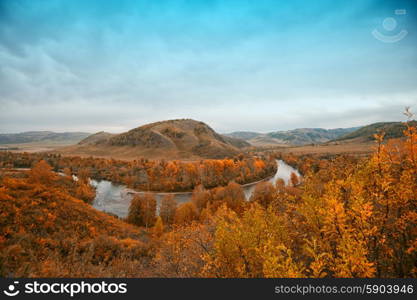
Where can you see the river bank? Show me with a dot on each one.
(115, 199)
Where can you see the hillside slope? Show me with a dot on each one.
(238, 143)
(173, 139)
(46, 232)
(304, 136)
(300, 136)
(42, 136)
(244, 135)
(366, 133)
(96, 137)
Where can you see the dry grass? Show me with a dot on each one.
(35, 147)
(351, 148)
(132, 153)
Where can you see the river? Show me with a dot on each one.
(116, 199)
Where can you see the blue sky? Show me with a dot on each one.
(236, 65)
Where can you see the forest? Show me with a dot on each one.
(349, 216)
(153, 175)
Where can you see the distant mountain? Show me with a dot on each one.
(244, 135)
(301, 136)
(42, 136)
(238, 143)
(173, 139)
(366, 133)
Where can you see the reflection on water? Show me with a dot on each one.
(111, 197)
(283, 172)
(116, 199)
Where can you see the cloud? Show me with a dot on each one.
(93, 65)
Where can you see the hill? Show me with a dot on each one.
(47, 232)
(42, 136)
(366, 133)
(301, 136)
(238, 143)
(172, 139)
(244, 135)
(96, 137)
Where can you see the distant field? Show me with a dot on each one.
(354, 148)
(34, 147)
(64, 148)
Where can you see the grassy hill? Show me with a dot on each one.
(42, 136)
(172, 139)
(366, 133)
(96, 137)
(301, 136)
(244, 135)
(304, 136)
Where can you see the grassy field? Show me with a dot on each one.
(34, 147)
(65, 149)
(348, 148)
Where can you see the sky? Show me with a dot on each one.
(261, 65)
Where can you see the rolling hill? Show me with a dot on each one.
(42, 136)
(58, 235)
(96, 137)
(244, 135)
(172, 139)
(366, 133)
(301, 136)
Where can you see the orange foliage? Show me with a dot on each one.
(142, 210)
(46, 232)
(347, 217)
(185, 214)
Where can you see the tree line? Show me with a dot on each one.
(153, 175)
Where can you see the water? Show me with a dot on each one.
(283, 172)
(116, 199)
(111, 197)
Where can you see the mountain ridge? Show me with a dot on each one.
(297, 137)
(42, 136)
(366, 133)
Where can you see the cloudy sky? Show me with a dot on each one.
(236, 65)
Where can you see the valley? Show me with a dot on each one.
(135, 232)
(176, 199)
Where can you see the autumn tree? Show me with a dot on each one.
(84, 175)
(294, 179)
(142, 210)
(200, 197)
(158, 228)
(148, 210)
(85, 191)
(232, 195)
(42, 173)
(167, 209)
(263, 194)
(185, 213)
(181, 251)
(252, 246)
(135, 211)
